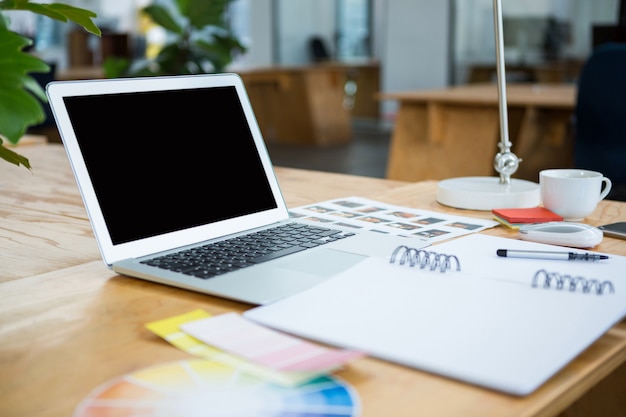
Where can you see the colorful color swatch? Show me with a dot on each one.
(200, 387)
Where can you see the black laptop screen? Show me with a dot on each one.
(169, 160)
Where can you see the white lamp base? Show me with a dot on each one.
(486, 193)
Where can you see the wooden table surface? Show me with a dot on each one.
(546, 95)
(68, 324)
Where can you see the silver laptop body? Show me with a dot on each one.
(166, 164)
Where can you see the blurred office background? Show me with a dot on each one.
(413, 45)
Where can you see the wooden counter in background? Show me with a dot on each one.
(562, 71)
(87, 72)
(455, 131)
(312, 104)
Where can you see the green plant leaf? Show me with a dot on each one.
(20, 94)
(18, 111)
(77, 15)
(171, 60)
(203, 13)
(162, 17)
(13, 157)
(219, 51)
(34, 88)
(18, 107)
(183, 7)
(10, 4)
(114, 67)
(57, 11)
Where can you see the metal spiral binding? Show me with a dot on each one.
(424, 259)
(571, 283)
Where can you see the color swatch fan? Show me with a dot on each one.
(205, 388)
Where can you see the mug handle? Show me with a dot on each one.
(607, 188)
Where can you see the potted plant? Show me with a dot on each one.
(20, 94)
(199, 40)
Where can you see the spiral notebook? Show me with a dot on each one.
(500, 323)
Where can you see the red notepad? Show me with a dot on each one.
(514, 217)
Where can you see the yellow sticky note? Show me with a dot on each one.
(169, 329)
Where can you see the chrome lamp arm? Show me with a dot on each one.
(505, 161)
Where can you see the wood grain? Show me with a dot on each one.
(69, 324)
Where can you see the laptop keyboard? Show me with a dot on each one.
(239, 252)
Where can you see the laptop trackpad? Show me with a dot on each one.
(324, 262)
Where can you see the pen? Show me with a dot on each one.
(564, 256)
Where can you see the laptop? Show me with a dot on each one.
(173, 168)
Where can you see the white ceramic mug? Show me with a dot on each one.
(572, 193)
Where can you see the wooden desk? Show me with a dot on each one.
(85, 72)
(455, 131)
(68, 324)
(562, 71)
(310, 104)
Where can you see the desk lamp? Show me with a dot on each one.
(486, 193)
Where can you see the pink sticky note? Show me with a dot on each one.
(236, 335)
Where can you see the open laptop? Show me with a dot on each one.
(174, 164)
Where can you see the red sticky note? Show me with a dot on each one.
(514, 217)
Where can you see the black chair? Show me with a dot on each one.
(600, 123)
(318, 50)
